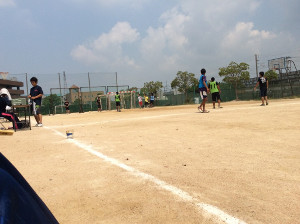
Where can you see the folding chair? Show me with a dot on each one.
(2, 120)
(3, 129)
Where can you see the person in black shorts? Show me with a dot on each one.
(67, 106)
(99, 103)
(263, 85)
(118, 101)
(215, 90)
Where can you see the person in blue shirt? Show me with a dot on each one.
(36, 94)
(203, 89)
(152, 100)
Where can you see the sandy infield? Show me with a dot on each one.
(243, 159)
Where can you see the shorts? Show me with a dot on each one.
(151, 101)
(99, 106)
(263, 92)
(67, 108)
(36, 110)
(141, 103)
(203, 93)
(215, 96)
(118, 104)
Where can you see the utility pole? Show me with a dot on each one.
(256, 60)
(65, 83)
(117, 81)
(61, 100)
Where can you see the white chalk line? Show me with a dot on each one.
(118, 120)
(211, 210)
(249, 107)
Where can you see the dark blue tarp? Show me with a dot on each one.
(19, 204)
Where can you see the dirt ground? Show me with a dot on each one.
(243, 159)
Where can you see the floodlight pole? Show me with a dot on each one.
(61, 103)
(256, 60)
(90, 91)
(26, 86)
(117, 81)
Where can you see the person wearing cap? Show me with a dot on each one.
(5, 105)
(203, 89)
(215, 91)
(118, 101)
(263, 85)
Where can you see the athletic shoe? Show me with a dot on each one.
(199, 108)
(40, 125)
(262, 104)
(36, 125)
(267, 103)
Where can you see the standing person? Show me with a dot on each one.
(152, 100)
(140, 101)
(263, 85)
(36, 94)
(146, 100)
(67, 106)
(99, 104)
(118, 101)
(203, 91)
(215, 90)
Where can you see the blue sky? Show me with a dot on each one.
(143, 40)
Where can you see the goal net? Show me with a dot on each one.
(128, 100)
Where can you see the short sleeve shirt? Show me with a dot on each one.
(34, 91)
(262, 82)
(201, 80)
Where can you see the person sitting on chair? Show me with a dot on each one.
(5, 105)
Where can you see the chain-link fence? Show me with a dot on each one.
(83, 99)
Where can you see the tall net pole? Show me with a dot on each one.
(90, 92)
(61, 103)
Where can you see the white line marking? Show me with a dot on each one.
(233, 108)
(217, 213)
(118, 120)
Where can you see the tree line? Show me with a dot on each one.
(234, 74)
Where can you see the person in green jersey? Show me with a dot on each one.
(215, 90)
(118, 101)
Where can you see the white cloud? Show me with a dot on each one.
(6, 3)
(191, 35)
(163, 44)
(244, 38)
(108, 47)
(137, 4)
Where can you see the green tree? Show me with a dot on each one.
(151, 87)
(133, 89)
(51, 101)
(235, 74)
(185, 82)
(271, 75)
